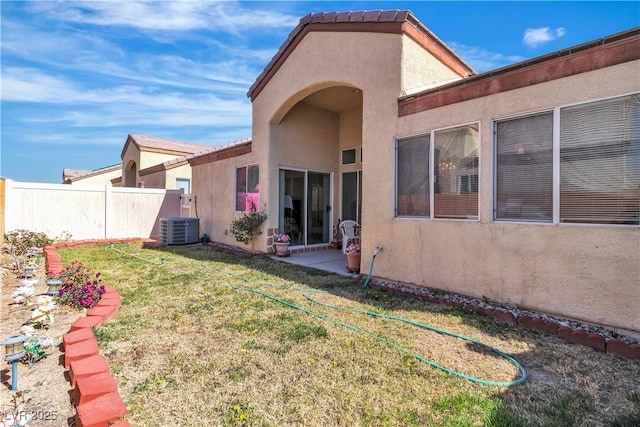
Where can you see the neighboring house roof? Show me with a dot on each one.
(71, 175)
(169, 164)
(380, 21)
(605, 52)
(227, 151)
(166, 146)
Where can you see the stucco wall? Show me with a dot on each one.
(420, 68)
(214, 186)
(588, 273)
(366, 61)
(144, 159)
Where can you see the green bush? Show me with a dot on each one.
(248, 226)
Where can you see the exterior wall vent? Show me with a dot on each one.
(179, 231)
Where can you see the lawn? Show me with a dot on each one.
(212, 338)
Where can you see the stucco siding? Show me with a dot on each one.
(588, 273)
(365, 61)
(214, 186)
(419, 68)
(311, 128)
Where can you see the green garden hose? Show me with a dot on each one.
(523, 372)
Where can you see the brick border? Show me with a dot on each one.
(95, 394)
(586, 335)
(607, 342)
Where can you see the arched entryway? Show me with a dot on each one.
(131, 174)
(318, 142)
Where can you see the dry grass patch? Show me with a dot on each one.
(197, 343)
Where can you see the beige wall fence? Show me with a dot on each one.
(1, 211)
(87, 213)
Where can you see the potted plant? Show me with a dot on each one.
(281, 243)
(353, 258)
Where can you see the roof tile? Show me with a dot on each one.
(342, 16)
(356, 16)
(371, 16)
(388, 15)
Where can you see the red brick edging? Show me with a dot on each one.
(577, 335)
(95, 394)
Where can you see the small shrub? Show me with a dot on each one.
(80, 288)
(247, 227)
(18, 242)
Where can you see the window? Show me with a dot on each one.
(600, 162)
(412, 176)
(595, 177)
(184, 184)
(452, 177)
(247, 188)
(456, 173)
(524, 169)
(348, 156)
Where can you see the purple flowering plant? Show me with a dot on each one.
(81, 288)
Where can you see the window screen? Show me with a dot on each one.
(412, 176)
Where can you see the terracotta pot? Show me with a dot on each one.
(353, 263)
(282, 249)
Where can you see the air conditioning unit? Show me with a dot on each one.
(179, 231)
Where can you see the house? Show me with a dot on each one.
(146, 162)
(157, 163)
(520, 185)
(102, 176)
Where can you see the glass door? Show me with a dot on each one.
(305, 206)
(351, 196)
(318, 208)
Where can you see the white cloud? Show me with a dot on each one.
(123, 105)
(534, 37)
(223, 16)
(483, 60)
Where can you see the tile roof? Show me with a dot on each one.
(604, 52)
(388, 21)
(153, 143)
(70, 175)
(231, 149)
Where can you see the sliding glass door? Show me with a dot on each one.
(305, 206)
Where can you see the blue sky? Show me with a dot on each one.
(78, 77)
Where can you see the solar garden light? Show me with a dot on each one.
(29, 271)
(14, 351)
(54, 286)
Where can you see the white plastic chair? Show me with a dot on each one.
(347, 227)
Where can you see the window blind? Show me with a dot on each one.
(524, 169)
(600, 162)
